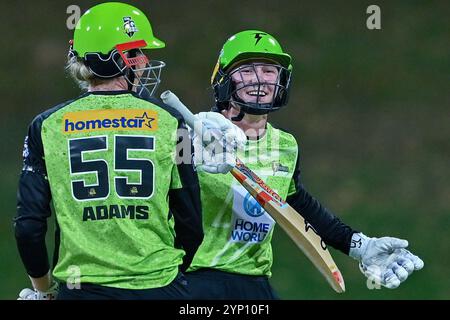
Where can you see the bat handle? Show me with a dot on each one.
(169, 98)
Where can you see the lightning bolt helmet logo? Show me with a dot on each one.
(258, 36)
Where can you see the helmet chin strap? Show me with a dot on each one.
(242, 113)
(239, 117)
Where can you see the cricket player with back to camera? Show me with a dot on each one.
(128, 211)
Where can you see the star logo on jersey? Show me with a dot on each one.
(148, 119)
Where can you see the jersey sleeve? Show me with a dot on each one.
(33, 204)
(292, 187)
(175, 182)
(184, 200)
(332, 230)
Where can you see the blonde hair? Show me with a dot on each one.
(82, 75)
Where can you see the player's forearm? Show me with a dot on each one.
(30, 238)
(190, 253)
(185, 205)
(42, 283)
(186, 208)
(333, 231)
(30, 224)
(33, 253)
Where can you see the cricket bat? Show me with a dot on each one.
(295, 226)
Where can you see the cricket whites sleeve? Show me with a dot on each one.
(332, 230)
(33, 204)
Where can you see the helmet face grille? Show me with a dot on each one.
(147, 78)
(257, 88)
(142, 74)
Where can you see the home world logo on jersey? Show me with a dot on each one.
(114, 119)
(250, 222)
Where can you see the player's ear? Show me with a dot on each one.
(119, 61)
(226, 113)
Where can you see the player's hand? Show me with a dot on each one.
(215, 150)
(33, 294)
(384, 260)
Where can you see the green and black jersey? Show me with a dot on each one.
(127, 211)
(238, 231)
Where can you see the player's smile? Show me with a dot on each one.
(263, 94)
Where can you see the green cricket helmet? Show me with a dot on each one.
(109, 36)
(254, 47)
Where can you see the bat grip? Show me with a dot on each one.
(172, 100)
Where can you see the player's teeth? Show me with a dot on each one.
(255, 93)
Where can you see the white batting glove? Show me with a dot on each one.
(30, 294)
(215, 150)
(384, 260)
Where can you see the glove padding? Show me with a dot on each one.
(215, 150)
(384, 260)
(30, 294)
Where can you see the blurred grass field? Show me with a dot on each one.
(370, 110)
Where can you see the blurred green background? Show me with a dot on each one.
(369, 107)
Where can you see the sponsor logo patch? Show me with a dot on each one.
(103, 120)
(252, 207)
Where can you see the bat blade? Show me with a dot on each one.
(295, 226)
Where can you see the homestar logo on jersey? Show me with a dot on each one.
(102, 120)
